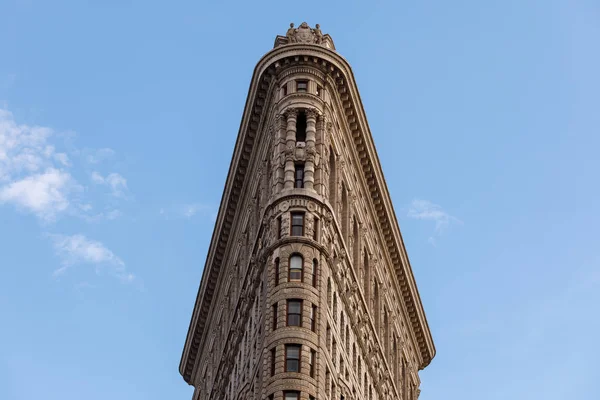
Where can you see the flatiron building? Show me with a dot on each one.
(307, 291)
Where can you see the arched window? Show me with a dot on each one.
(296, 270)
(332, 179)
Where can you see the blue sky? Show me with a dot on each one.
(117, 123)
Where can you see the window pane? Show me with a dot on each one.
(301, 86)
(292, 395)
(294, 307)
(297, 219)
(292, 366)
(293, 352)
(296, 262)
(293, 320)
(295, 275)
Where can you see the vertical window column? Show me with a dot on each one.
(290, 140)
(278, 170)
(311, 136)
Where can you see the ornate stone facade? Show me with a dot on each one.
(307, 292)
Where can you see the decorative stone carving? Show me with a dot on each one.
(303, 34)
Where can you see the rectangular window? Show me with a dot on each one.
(273, 354)
(301, 127)
(294, 313)
(299, 176)
(292, 357)
(313, 318)
(311, 363)
(289, 395)
(314, 272)
(274, 316)
(277, 271)
(302, 86)
(319, 91)
(316, 229)
(284, 89)
(297, 224)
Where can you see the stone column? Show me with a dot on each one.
(320, 158)
(290, 147)
(311, 136)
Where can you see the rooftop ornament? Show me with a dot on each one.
(304, 34)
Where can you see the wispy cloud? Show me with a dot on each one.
(78, 249)
(116, 182)
(32, 174)
(428, 211)
(99, 155)
(189, 210)
(37, 178)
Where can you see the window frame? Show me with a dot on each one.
(292, 392)
(285, 365)
(301, 82)
(299, 182)
(301, 268)
(288, 314)
(292, 225)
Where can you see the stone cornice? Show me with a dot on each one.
(255, 110)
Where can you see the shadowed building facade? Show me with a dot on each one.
(307, 292)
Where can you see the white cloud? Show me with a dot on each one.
(116, 182)
(32, 176)
(23, 148)
(78, 249)
(43, 194)
(426, 210)
(36, 177)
